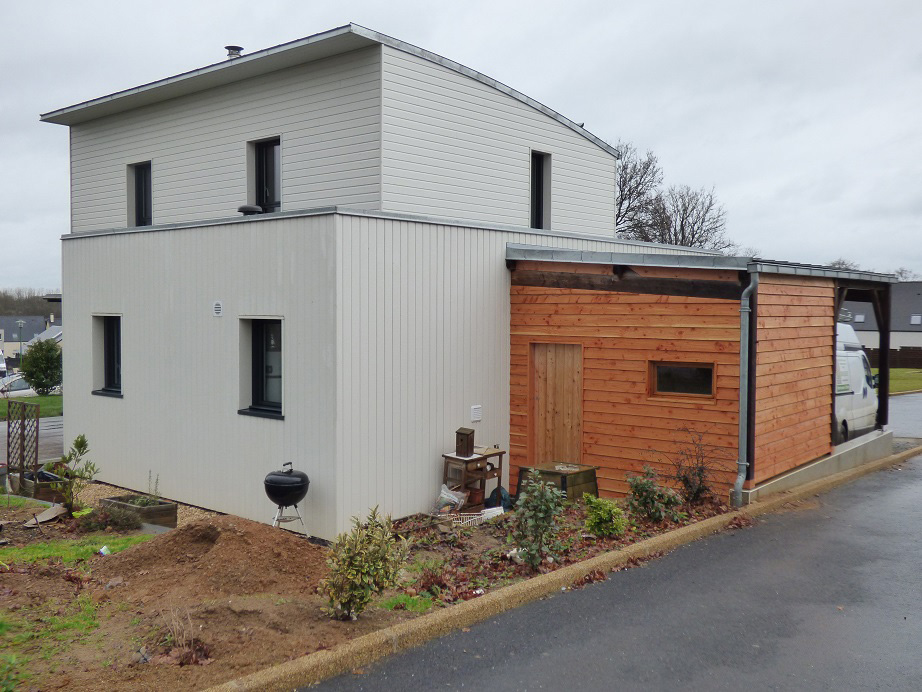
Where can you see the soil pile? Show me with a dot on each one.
(216, 556)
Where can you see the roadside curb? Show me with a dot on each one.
(318, 666)
(911, 391)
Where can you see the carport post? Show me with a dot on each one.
(881, 299)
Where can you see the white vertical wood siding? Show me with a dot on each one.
(180, 365)
(457, 148)
(423, 332)
(327, 114)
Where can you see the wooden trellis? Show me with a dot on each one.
(22, 439)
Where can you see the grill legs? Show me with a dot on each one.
(280, 516)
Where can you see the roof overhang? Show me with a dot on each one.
(323, 45)
(752, 265)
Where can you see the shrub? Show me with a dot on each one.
(41, 366)
(76, 471)
(694, 465)
(650, 500)
(363, 563)
(604, 517)
(101, 519)
(534, 527)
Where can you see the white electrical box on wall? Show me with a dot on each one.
(476, 413)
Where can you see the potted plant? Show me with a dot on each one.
(149, 506)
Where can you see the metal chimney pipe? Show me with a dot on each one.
(233, 51)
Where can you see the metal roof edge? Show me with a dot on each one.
(59, 116)
(796, 269)
(515, 251)
(370, 213)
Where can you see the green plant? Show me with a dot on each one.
(67, 550)
(413, 604)
(694, 464)
(152, 497)
(604, 517)
(76, 471)
(650, 500)
(363, 563)
(41, 366)
(101, 519)
(10, 677)
(534, 527)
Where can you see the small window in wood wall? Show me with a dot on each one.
(682, 379)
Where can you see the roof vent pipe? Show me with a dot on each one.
(233, 51)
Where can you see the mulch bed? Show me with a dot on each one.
(222, 597)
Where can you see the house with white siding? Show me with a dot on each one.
(350, 317)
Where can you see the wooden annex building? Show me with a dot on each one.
(622, 360)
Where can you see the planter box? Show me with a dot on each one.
(162, 514)
(44, 490)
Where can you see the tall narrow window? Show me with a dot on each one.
(540, 190)
(269, 175)
(142, 198)
(108, 378)
(267, 365)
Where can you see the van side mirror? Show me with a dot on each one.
(875, 381)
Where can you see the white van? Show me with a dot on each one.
(856, 396)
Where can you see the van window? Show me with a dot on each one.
(868, 375)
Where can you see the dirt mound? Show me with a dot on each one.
(217, 556)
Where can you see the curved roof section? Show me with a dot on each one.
(333, 42)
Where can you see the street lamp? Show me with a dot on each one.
(20, 324)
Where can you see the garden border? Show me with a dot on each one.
(321, 665)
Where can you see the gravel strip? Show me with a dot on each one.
(94, 492)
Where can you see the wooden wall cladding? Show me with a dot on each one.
(795, 357)
(623, 427)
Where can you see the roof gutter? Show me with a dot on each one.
(743, 444)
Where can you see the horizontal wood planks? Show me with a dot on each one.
(623, 426)
(795, 354)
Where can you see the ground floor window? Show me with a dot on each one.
(107, 377)
(688, 379)
(264, 338)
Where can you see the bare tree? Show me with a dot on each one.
(842, 263)
(638, 180)
(681, 215)
(905, 274)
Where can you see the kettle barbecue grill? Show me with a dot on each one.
(286, 488)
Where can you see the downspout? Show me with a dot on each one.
(743, 446)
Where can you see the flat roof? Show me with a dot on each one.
(756, 265)
(342, 39)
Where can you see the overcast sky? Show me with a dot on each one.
(804, 116)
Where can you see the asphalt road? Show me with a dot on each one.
(906, 415)
(827, 596)
(50, 439)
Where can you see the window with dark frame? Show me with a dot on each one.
(687, 379)
(267, 365)
(112, 354)
(143, 194)
(269, 175)
(540, 170)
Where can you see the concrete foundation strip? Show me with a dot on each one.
(313, 668)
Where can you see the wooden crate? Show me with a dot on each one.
(574, 480)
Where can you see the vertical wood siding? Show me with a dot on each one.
(181, 366)
(327, 113)
(794, 370)
(624, 427)
(456, 148)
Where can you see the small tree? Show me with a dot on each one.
(694, 465)
(535, 525)
(41, 366)
(77, 473)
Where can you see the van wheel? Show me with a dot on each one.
(844, 431)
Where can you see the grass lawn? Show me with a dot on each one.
(52, 405)
(904, 379)
(69, 551)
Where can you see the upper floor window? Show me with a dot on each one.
(915, 319)
(540, 190)
(269, 175)
(140, 195)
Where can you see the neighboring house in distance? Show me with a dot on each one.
(905, 317)
(55, 333)
(384, 286)
(11, 334)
